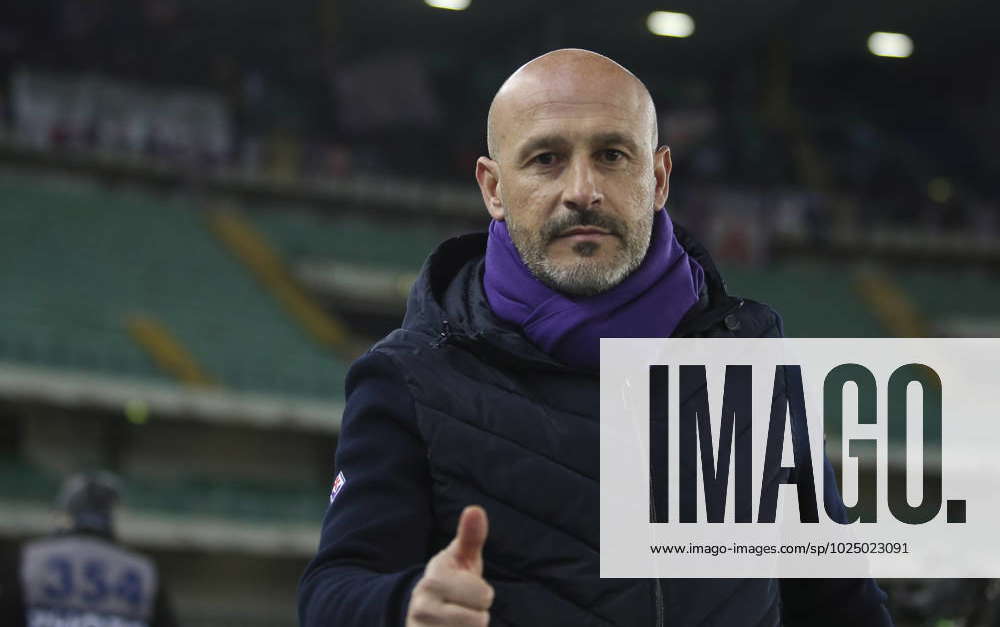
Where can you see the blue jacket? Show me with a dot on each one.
(458, 408)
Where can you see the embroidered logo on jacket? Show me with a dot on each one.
(338, 483)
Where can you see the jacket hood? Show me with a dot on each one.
(448, 300)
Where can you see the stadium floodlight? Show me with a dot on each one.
(451, 5)
(670, 24)
(895, 45)
(137, 412)
(940, 190)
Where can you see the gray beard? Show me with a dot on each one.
(584, 276)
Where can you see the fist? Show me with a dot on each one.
(452, 591)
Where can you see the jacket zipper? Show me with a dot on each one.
(657, 586)
(658, 594)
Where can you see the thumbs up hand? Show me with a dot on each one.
(452, 591)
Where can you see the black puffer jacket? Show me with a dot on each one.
(458, 408)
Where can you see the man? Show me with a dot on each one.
(80, 575)
(488, 395)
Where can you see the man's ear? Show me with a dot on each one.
(488, 177)
(661, 173)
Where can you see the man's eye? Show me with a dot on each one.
(546, 158)
(612, 155)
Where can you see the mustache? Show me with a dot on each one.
(585, 217)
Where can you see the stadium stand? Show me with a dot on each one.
(213, 474)
(121, 256)
(303, 235)
(209, 497)
(961, 303)
(814, 300)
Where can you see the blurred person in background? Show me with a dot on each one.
(467, 484)
(80, 576)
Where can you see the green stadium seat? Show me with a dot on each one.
(248, 501)
(386, 245)
(76, 259)
(813, 300)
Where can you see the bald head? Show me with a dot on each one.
(566, 78)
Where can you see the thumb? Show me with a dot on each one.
(473, 527)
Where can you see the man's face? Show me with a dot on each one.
(577, 183)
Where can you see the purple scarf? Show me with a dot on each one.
(648, 303)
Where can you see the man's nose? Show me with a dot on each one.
(582, 190)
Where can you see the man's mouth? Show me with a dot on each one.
(584, 231)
